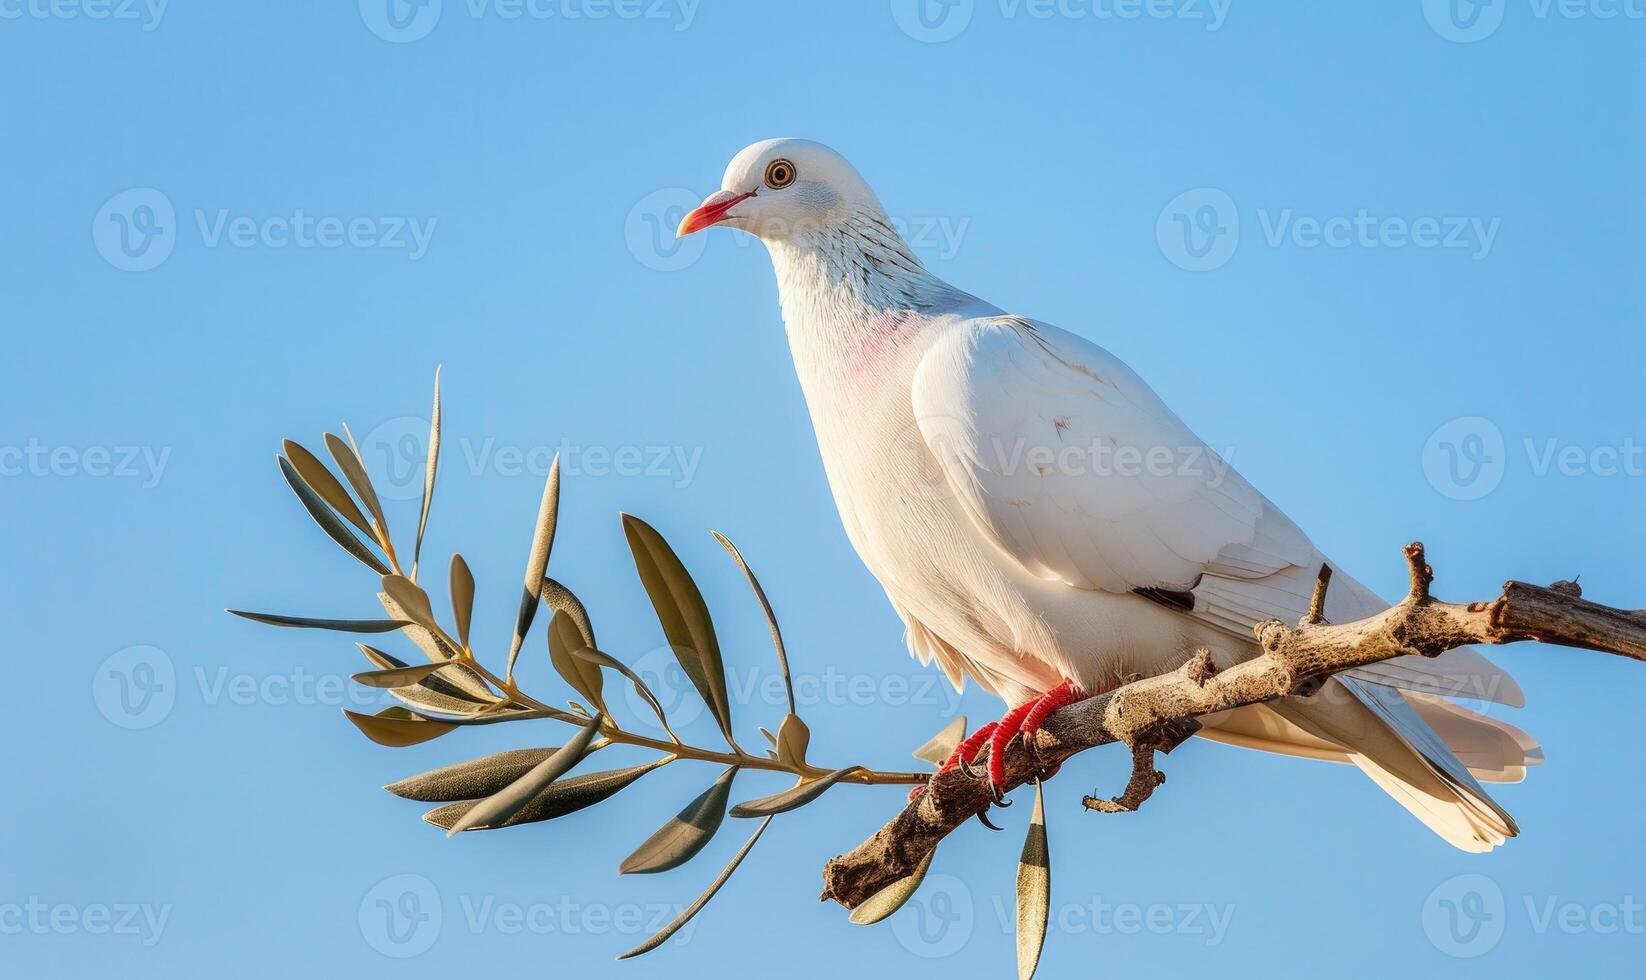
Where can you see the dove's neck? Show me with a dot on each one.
(853, 295)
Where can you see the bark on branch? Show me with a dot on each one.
(1156, 713)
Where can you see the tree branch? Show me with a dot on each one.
(1148, 714)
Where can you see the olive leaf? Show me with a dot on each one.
(341, 625)
(347, 458)
(327, 518)
(537, 561)
(557, 800)
(939, 747)
(793, 738)
(393, 677)
(438, 648)
(1034, 886)
(792, 798)
(413, 601)
(561, 599)
(462, 590)
(470, 780)
(397, 727)
(584, 676)
(428, 473)
(765, 607)
(640, 688)
(679, 840)
(321, 480)
(697, 906)
(683, 614)
(892, 897)
(434, 692)
(500, 806)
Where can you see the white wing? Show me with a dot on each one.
(1077, 471)
(1081, 473)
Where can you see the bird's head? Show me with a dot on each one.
(781, 189)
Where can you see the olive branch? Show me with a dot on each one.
(1150, 715)
(455, 689)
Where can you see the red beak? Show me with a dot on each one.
(712, 211)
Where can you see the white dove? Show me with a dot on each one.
(1044, 524)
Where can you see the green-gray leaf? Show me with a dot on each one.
(318, 477)
(470, 780)
(566, 796)
(327, 518)
(942, 745)
(348, 460)
(413, 601)
(462, 590)
(397, 727)
(583, 676)
(428, 474)
(432, 693)
(891, 898)
(500, 806)
(684, 615)
(765, 607)
(341, 625)
(1034, 889)
(679, 840)
(792, 798)
(793, 738)
(703, 899)
(397, 676)
(537, 562)
(640, 688)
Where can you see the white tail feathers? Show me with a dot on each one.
(1427, 753)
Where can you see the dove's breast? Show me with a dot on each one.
(1016, 634)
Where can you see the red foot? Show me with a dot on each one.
(1025, 718)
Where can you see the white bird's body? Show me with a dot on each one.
(1035, 512)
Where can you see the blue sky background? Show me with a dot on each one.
(1126, 171)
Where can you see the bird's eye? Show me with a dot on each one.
(779, 174)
